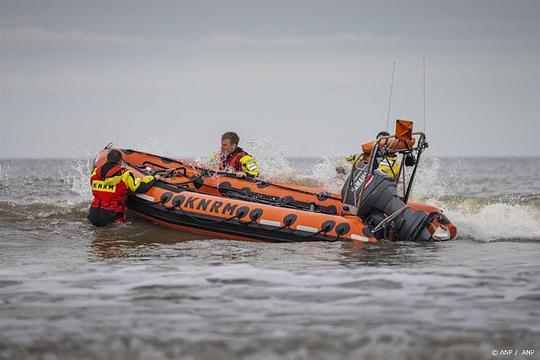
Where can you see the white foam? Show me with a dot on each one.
(496, 221)
(474, 218)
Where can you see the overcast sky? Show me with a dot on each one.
(304, 77)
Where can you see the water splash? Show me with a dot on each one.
(271, 157)
(436, 179)
(276, 165)
(478, 218)
(3, 179)
(76, 177)
(324, 172)
(497, 221)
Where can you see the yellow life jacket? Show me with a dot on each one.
(249, 165)
(390, 165)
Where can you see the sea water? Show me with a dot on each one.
(139, 291)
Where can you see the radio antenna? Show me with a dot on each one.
(390, 99)
(424, 71)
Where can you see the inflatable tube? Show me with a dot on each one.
(192, 198)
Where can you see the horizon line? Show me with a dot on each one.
(292, 157)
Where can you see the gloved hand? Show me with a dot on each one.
(351, 157)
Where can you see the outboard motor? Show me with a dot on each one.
(379, 200)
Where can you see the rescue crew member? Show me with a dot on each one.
(388, 164)
(110, 187)
(234, 159)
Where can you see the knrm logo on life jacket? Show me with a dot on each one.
(99, 185)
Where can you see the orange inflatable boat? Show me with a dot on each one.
(192, 198)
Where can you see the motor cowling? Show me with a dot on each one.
(380, 200)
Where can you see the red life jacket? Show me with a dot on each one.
(232, 161)
(106, 196)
